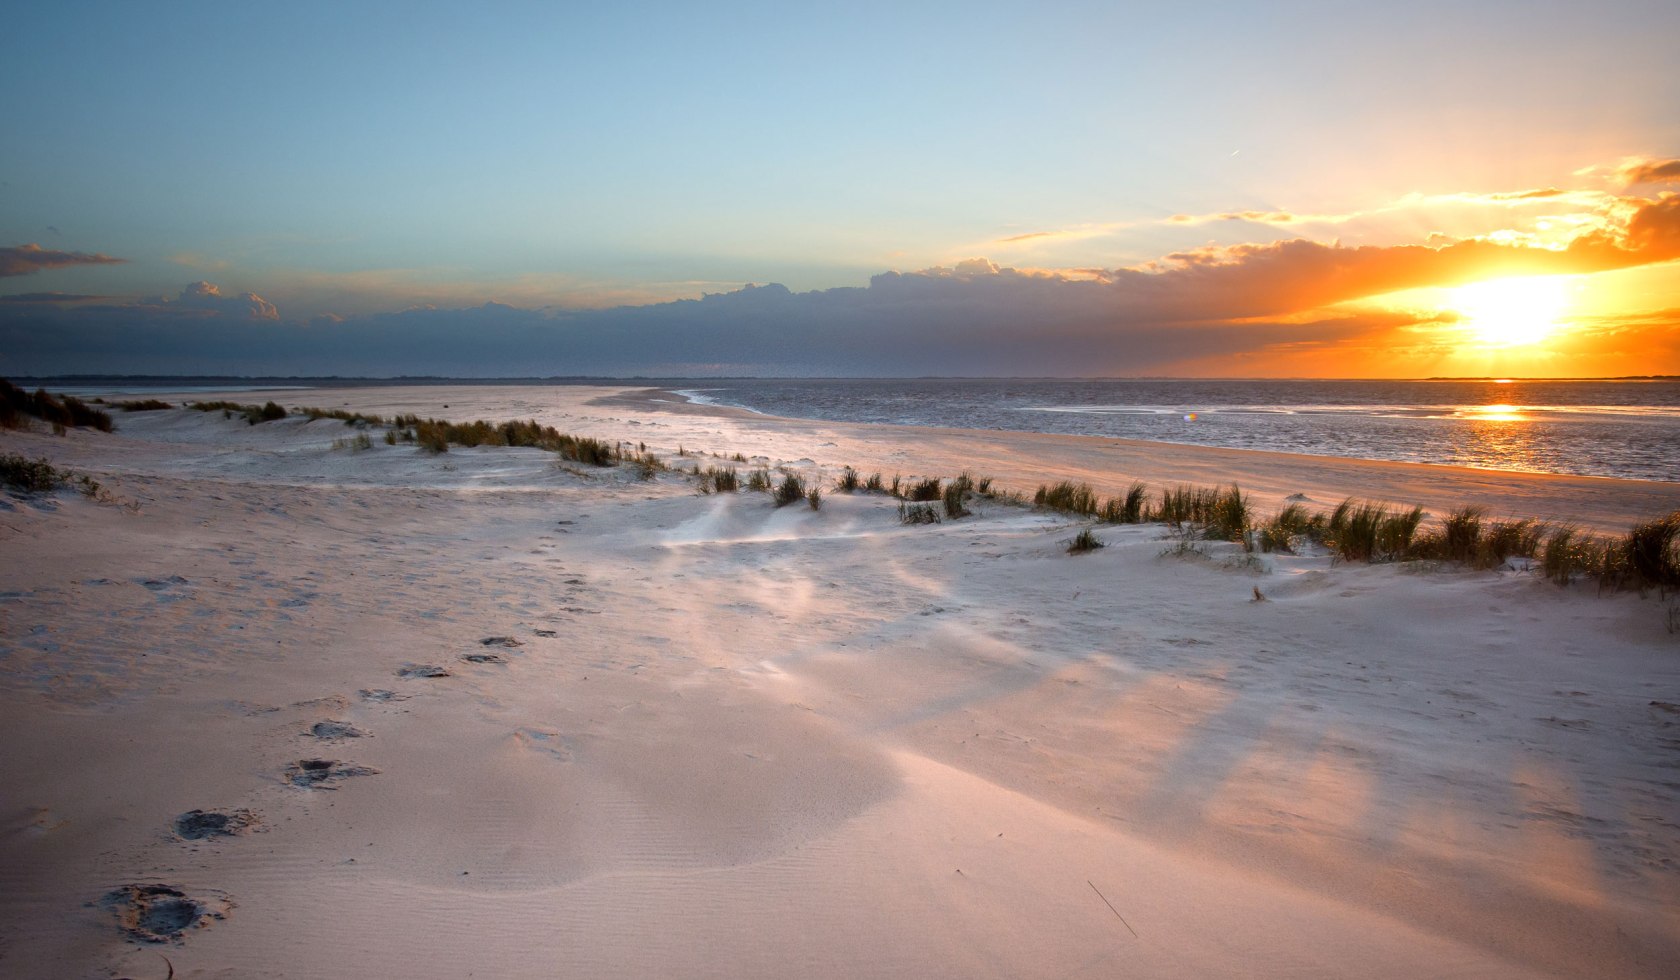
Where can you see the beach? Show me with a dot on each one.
(487, 713)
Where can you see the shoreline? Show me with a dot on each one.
(1024, 460)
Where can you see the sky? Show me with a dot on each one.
(974, 189)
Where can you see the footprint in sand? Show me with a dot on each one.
(318, 773)
(501, 641)
(335, 731)
(413, 671)
(164, 913)
(205, 824)
(484, 658)
(380, 695)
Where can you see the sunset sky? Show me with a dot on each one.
(1277, 189)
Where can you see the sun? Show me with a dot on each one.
(1512, 312)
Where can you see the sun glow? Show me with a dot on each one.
(1512, 312)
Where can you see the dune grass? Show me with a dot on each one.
(142, 405)
(355, 443)
(909, 513)
(719, 479)
(253, 414)
(39, 476)
(1085, 541)
(62, 412)
(955, 496)
(921, 491)
(791, 490)
(1067, 497)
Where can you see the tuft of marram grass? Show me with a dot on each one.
(790, 491)
(923, 491)
(1128, 509)
(1227, 517)
(60, 411)
(909, 513)
(1289, 526)
(955, 496)
(142, 405)
(1653, 557)
(848, 481)
(356, 443)
(1086, 540)
(1067, 497)
(39, 476)
(1366, 530)
(719, 479)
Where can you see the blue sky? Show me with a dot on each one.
(350, 160)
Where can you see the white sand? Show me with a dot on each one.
(776, 743)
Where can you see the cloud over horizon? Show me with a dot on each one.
(1192, 307)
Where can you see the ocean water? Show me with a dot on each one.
(1628, 429)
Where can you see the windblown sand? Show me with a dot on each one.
(273, 709)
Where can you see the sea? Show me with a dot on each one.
(1628, 429)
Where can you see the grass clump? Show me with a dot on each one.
(39, 476)
(1067, 497)
(909, 513)
(813, 496)
(1131, 508)
(1651, 554)
(719, 479)
(922, 491)
(432, 436)
(1461, 534)
(142, 405)
(955, 496)
(356, 443)
(267, 412)
(1227, 517)
(1086, 540)
(1567, 555)
(1288, 527)
(60, 411)
(1185, 504)
(848, 481)
(791, 490)
(1365, 530)
(758, 481)
(348, 418)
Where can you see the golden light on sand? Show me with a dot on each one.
(1512, 312)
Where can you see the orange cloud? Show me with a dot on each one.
(23, 260)
(1651, 172)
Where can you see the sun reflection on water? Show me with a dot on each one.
(1497, 439)
(1495, 413)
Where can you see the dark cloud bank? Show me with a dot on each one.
(976, 319)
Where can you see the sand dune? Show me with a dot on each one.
(477, 714)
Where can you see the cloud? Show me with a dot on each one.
(1418, 204)
(1650, 172)
(23, 260)
(51, 298)
(1249, 305)
(207, 297)
(1256, 217)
